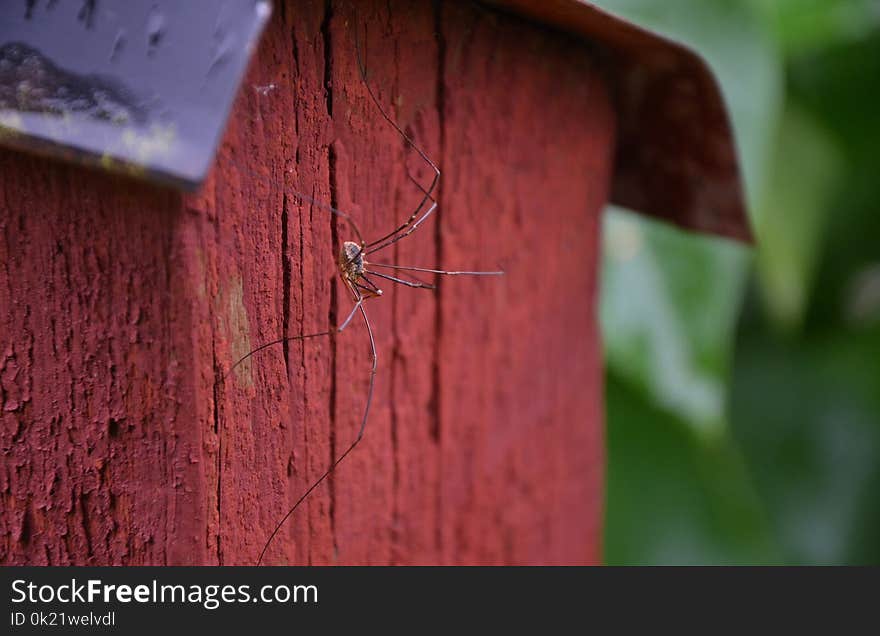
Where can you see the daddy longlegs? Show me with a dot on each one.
(356, 270)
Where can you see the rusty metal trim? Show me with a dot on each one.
(676, 155)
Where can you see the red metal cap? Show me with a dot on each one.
(676, 157)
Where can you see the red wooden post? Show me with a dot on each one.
(122, 306)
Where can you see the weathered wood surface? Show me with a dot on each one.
(121, 305)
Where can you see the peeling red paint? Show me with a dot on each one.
(122, 306)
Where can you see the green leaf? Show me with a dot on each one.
(669, 303)
(674, 499)
(806, 417)
(805, 25)
(792, 214)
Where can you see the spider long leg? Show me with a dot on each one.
(340, 214)
(408, 283)
(372, 294)
(428, 197)
(275, 342)
(292, 338)
(411, 277)
(407, 138)
(392, 241)
(419, 186)
(408, 268)
(332, 210)
(412, 228)
(360, 301)
(358, 306)
(371, 287)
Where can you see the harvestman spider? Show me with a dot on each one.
(355, 270)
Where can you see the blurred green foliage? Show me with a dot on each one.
(743, 385)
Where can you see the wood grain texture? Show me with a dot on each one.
(122, 306)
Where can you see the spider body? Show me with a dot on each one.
(351, 262)
(353, 269)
